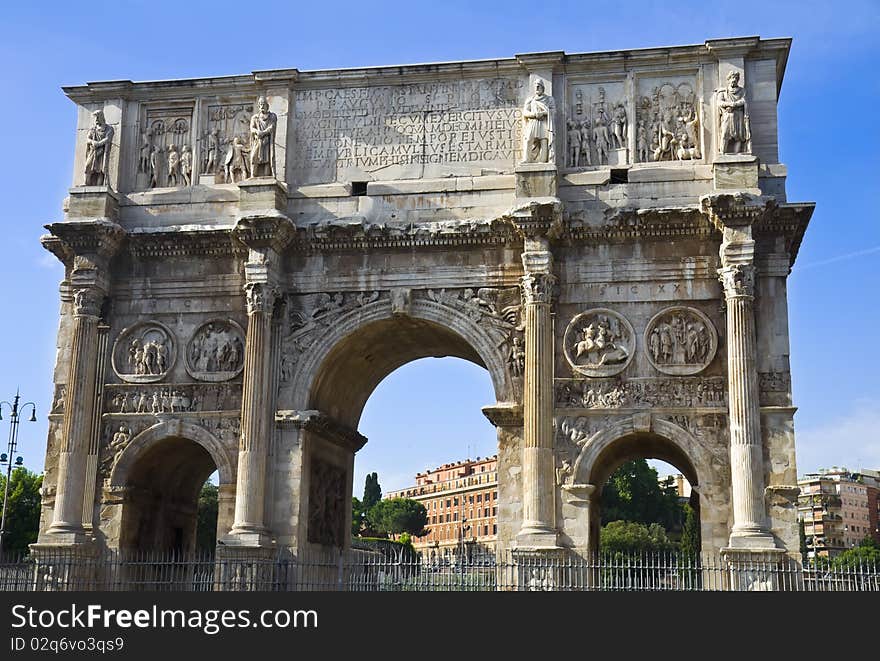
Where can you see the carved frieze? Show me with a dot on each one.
(225, 122)
(215, 352)
(144, 353)
(670, 392)
(326, 503)
(598, 125)
(668, 120)
(176, 398)
(599, 343)
(774, 381)
(165, 155)
(680, 341)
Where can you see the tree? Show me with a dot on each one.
(206, 525)
(372, 491)
(866, 554)
(398, 515)
(23, 515)
(357, 516)
(629, 537)
(802, 538)
(690, 533)
(633, 493)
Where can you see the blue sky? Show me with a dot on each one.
(829, 139)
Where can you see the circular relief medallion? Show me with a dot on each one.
(680, 341)
(143, 353)
(215, 352)
(599, 342)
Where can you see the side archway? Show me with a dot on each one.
(161, 473)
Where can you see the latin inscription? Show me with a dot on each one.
(368, 129)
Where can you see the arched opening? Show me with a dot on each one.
(344, 373)
(163, 491)
(622, 477)
(421, 418)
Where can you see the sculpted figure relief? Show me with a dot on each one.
(262, 156)
(680, 341)
(734, 133)
(538, 131)
(599, 342)
(98, 143)
(216, 351)
(186, 162)
(143, 353)
(235, 161)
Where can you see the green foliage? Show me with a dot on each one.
(396, 516)
(372, 491)
(633, 493)
(866, 553)
(206, 519)
(628, 537)
(802, 538)
(23, 515)
(689, 544)
(357, 516)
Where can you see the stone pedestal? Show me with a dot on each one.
(92, 202)
(536, 180)
(758, 570)
(736, 171)
(618, 157)
(60, 567)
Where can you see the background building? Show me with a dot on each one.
(462, 503)
(838, 509)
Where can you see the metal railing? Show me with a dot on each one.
(387, 570)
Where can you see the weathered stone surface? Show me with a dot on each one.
(262, 250)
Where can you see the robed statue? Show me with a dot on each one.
(538, 114)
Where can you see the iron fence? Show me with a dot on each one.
(390, 570)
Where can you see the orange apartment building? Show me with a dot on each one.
(461, 499)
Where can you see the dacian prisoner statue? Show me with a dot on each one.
(263, 125)
(538, 114)
(98, 145)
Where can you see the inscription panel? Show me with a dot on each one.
(417, 130)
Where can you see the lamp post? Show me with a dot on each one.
(7, 457)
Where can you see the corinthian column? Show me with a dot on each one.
(67, 518)
(256, 414)
(750, 529)
(265, 234)
(735, 214)
(539, 499)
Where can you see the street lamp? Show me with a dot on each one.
(7, 457)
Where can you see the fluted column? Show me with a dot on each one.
(539, 500)
(256, 416)
(67, 526)
(750, 529)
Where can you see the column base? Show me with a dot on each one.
(63, 535)
(247, 538)
(61, 565)
(536, 537)
(755, 540)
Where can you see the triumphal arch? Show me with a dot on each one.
(246, 257)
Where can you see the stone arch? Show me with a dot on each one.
(447, 331)
(646, 435)
(588, 469)
(159, 475)
(172, 429)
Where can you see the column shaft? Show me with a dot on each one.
(746, 448)
(256, 413)
(78, 418)
(539, 498)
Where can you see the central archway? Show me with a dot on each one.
(343, 368)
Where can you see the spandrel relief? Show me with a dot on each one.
(680, 341)
(164, 158)
(216, 351)
(144, 353)
(599, 342)
(597, 128)
(668, 120)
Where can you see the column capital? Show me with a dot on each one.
(538, 288)
(738, 280)
(87, 301)
(261, 297)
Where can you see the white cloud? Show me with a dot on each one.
(851, 440)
